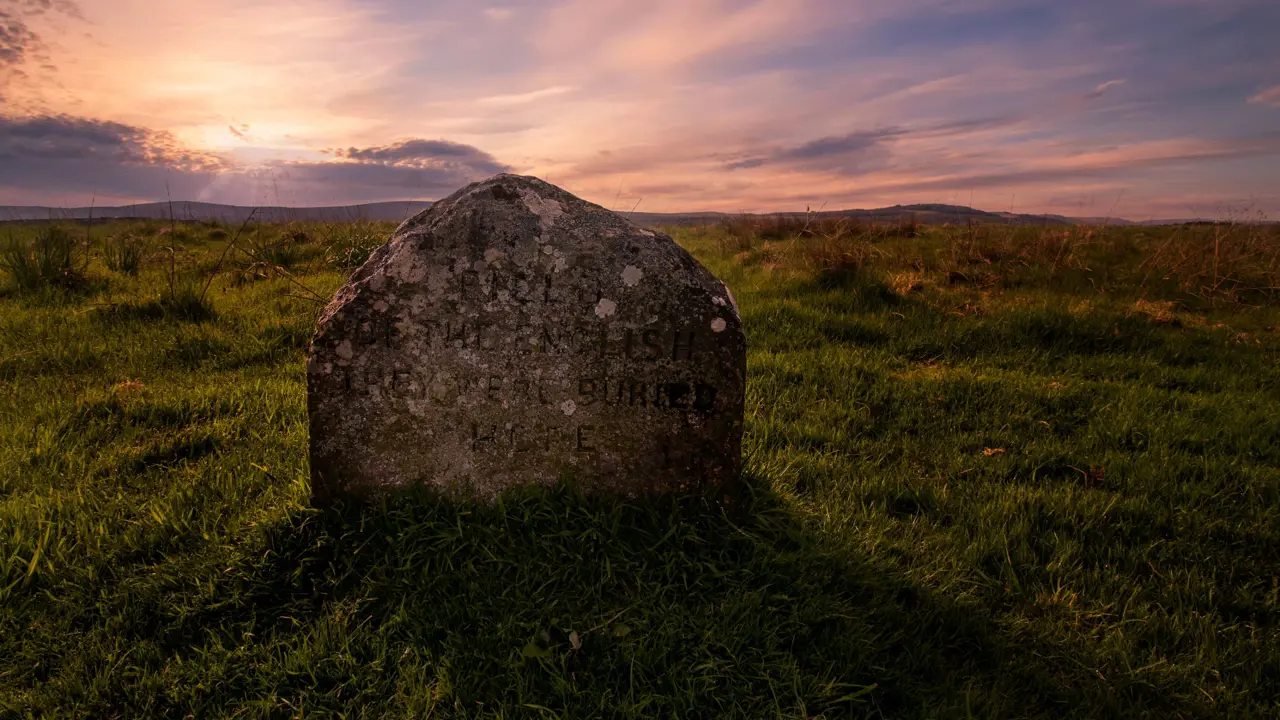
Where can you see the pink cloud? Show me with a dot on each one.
(1269, 96)
(665, 35)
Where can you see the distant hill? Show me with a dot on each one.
(187, 210)
(929, 214)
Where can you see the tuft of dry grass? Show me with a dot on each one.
(1202, 264)
(1158, 311)
(907, 283)
(1013, 245)
(1231, 261)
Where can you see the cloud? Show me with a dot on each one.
(852, 152)
(862, 150)
(1102, 88)
(417, 153)
(839, 145)
(62, 154)
(521, 98)
(69, 138)
(1098, 164)
(16, 40)
(277, 65)
(666, 35)
(1269, 96)
(499, 13)
(40, 7)
(341, 183)
(19, 42)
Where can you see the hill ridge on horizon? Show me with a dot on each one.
(399, 210)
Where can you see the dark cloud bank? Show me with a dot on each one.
(61, 155)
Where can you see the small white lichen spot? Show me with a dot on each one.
(381, 306)
(547, 249)
(718, 300)
(605, 308)
(437, 282)
(547, 210)
(718, 325)
(344, 350)
(631, 275)
(569, 407)
(493, 254)
(560, 265)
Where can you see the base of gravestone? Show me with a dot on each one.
(739, 501)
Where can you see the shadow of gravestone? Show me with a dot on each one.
(590, 607)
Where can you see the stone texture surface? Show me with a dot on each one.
(514, 333)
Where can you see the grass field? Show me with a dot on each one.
(993, 472)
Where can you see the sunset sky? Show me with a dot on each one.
(1134, 108)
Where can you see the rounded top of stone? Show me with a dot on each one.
(518, 217)
(500, 194)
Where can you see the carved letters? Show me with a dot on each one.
(447, 388)
(645, 344)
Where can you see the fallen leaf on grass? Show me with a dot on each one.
(992, 451)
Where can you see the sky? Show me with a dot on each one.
(1132, 108)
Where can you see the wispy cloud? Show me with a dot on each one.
(1269, 96)
(522, 98)
(665, 35)
(16, 39)
(23, 25)
(1102, 88)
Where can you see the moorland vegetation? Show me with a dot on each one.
(992, 471)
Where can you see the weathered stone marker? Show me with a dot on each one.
(513, 333)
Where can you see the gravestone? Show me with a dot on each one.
(513, 333)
